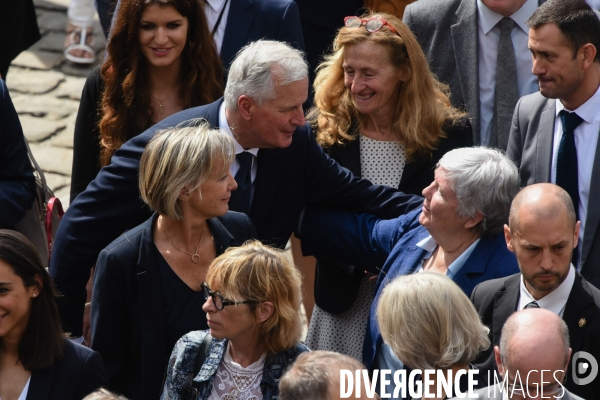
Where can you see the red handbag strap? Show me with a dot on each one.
(53, 203)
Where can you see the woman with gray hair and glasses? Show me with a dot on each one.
(458, 232)
(147, 284)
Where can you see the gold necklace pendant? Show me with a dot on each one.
(161, 108)
(195, 256)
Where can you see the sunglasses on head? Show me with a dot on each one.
(371, 24)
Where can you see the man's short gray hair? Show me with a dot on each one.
(484, 180)
(251, 73)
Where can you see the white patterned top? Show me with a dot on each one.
(234, 382)
(382, 163)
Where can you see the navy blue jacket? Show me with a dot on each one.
(17, 184)
(78, 374)
(388, 248)
(129, 322)
(287, 180)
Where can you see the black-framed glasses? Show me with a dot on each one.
(371, 24)
(218, 299)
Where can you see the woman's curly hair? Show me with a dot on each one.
(126, 101)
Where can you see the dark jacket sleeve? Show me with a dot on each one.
(17, 183)
(110, 319)
(334, 186)
(86, 139)
(360, 239)
(109, 207)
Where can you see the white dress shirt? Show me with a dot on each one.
(488, 37)
(554, 301)
(429, 245)
(586, 140)
(224, 125)
(212, 9)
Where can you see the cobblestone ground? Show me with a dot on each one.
(46, 90)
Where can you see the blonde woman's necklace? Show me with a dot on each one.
(195, 255)
(161, 107)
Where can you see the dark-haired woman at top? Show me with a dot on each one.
(36, 360)
(161, 59)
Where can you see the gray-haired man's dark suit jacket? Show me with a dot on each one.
(530, 145)
(447, 31)
(493, 393)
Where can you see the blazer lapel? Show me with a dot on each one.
(40, 385)
(544, 142)
(220, 234)
(474, 266)
(505, 303)
(265, 186)
(576, 310)
(464, 40)
(239, 20)
(592, 219)
(152, 316)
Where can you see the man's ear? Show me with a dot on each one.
(498, 360)
(246, 107)
(264, 311)
(588, 52)
(508, 237)
(576, 234)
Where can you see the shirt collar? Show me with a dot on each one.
(488, 18)
(588, 111)
(429, 245)
(224, 125)
(554, 301)
(216, 5)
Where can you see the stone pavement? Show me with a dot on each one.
(46, 89)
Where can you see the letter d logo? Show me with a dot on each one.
(582, 368)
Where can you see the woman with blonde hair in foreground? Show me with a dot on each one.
(148, 282)
(429, 323)
(253, 310)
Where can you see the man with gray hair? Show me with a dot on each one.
(542, 232)
(532, 362)
(316, 375)
(279, 169)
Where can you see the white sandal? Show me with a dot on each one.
(78, 38)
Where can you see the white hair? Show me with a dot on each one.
(484, 180)
(251, 73)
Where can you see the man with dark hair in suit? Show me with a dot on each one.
(279, 169)
(554, 134)
(543, 232)
(478, 48)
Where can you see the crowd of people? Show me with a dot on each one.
(439, 166)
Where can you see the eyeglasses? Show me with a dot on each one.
(371, 24)
(218, 299)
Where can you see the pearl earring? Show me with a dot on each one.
(35, 294)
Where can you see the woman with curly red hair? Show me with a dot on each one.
(161, 59)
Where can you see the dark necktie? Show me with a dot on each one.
(506, 92)
(533, 304)
(240, 198)
(566, 162)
